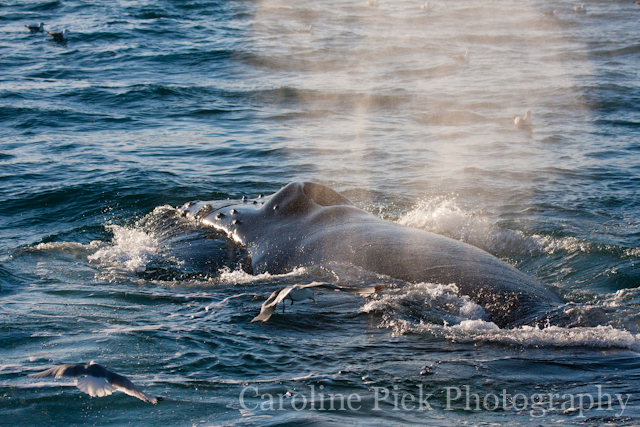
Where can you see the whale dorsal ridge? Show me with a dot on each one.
(324, 196)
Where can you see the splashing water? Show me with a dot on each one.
(129, 252)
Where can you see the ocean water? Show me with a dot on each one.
(151, 104)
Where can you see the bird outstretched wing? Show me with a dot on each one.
(68, 370)
(122, 383)
(269, 306)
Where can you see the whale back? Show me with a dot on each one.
(310, 224)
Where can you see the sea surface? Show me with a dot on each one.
(150, 104)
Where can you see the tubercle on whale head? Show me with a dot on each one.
(212, 214)
(234, 217)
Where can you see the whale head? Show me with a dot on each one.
(238, 217)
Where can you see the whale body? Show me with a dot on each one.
(307, 224)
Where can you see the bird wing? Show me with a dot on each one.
(122, 383)
(269, 306)
(67, 370)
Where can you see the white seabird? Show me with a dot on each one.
(309, 31)
(96, 380)
(580, 9)
(302, 292)
(523, 122)
(36, 28)
(461, 57)
(59, 36)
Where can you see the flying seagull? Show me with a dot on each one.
(523, 122)
(59, 36)
(36, 28)
(302, 292)
(96, 380)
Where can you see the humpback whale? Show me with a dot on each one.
(307, 224)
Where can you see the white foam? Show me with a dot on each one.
(425, 300)
(67, 246)
(476, 325)
(551, 336)
(127, 329)
(472, 331)
(130, 250)
(632, 253)
(440, 311)
(238, 277)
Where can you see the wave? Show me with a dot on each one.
(527, 336)
(439, 311)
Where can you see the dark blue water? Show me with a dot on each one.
(151, 104)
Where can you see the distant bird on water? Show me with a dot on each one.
(96, 380)
(309, 31)
(36, 28)
(580, 9)
(461, 57)
(523, 122)
(59, 36)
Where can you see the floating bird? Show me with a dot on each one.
(302, 292)
(523, 122)
(373, 3)
(96, 380)
(59, 36)
(424, 6)
(36, 28)
(580, 9)
(461, 57)
(309, 31)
